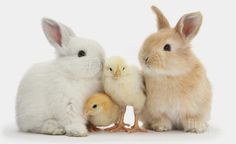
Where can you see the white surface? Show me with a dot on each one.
(121, 27)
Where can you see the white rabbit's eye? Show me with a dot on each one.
(123, 68)
(110, 69)
(167, 47)
(81, 53)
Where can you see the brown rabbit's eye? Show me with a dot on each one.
(94, 106)
(167, 47)
(81, 53)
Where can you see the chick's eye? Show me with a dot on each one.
(81, 53)
(123, 68)
(94, 106)
(167, 47)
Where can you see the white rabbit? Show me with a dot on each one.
(51, 95)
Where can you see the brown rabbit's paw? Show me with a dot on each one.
(162, 126)
(147, 125)
(195, 126)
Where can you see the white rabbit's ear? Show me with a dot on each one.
(189, 25)
(57, 34)
(162, 21)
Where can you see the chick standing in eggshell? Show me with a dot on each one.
(124, 83)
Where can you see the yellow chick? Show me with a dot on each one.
(124, 83)
(100, 110)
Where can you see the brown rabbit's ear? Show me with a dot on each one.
(161, 19)
(189, 25)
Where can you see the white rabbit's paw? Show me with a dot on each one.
(162, 126)
(195, 126)
(52, 127)
(76, 130)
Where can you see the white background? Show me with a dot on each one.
(121, 27)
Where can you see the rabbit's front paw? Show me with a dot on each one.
(194, 126)
(162, 125)
(76, 130)
(147, 125)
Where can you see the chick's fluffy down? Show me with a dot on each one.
(105, 113)
(128, 90)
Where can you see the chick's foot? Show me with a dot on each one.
(119, 128)
(93, 128)
(115, 126)
(110, 128)
(136, 129)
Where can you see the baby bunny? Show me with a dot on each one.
(51, 95)
(178, 91)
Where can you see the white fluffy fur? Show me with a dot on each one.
(51, 95)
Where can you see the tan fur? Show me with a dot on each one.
(178, 91)
(162, 21)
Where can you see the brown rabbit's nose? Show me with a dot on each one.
(146, 60)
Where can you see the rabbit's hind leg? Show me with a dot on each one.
(51, 127)
(194, 124)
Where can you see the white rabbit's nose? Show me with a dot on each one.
(102, 61)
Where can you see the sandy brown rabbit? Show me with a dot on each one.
(178, 91)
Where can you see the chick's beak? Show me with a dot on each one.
(117, 74)
(86, 113)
